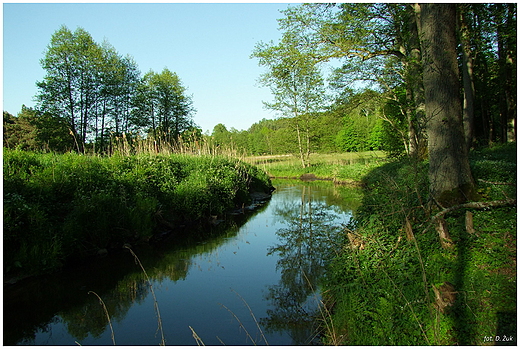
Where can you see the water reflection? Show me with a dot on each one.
(284, 245)
(311, 233)
(34, 306)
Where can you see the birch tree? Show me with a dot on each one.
(297, 87)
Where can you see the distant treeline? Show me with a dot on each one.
(91, 93)
(355, 126)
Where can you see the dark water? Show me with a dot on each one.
(252, 280)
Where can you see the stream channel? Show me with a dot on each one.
(252, 279)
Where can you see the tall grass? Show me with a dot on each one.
(60, 206)
(340, 167)
(127, 146)
(387, 291)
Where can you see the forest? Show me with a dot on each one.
(430, 258)
(375, 100)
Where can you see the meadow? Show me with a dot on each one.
(343, 168)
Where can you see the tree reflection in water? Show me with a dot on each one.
(57, 309)
(90, 318)
(311, 234)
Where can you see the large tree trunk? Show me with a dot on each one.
(449, 172)
(511, 26)
(506, 26)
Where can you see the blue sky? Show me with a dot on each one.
(208, 45)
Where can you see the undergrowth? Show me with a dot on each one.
(59, 206)
(386, 286)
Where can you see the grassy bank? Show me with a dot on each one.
(394, 284)
(340, 167)
(62, 206)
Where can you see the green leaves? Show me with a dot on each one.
(57, 206)
(98, 93)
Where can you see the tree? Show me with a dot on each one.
(377, 43)
(296, 84)
(100, 94)
(162, 101)
(449, 173)
(505, 19)
(360, 113)
(34, 130)
(221, 136)
(119, 78)
(488, 42)
(19, 132)
(70, 84)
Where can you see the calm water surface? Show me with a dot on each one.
(253, 280)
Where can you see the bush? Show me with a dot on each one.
(58, 206)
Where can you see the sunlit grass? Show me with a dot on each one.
(384, 294)
(342, 167)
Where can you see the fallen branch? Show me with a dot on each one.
(475, 204)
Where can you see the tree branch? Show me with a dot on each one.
(477, 205)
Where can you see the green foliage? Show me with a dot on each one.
(361, 116)
(94, 92)
(60, 206)
(354, 124)
(33, 130)
(379, 292)
(384, 293)
(164, 107)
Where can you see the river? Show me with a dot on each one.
(252, 279)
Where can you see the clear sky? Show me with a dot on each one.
(208, 45)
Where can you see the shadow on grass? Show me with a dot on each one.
(506, 328)
(463, 320)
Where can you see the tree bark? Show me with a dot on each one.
(449, 173)
(467, 78)
(300, 148)
(506, 26)
(415, 82)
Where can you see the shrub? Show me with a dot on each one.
(57, 206)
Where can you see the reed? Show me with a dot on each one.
(204, 146)
(196, 337)
(107, 315)
(252, 316)
(156, 304)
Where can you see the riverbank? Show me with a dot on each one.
(58, 207)
(256, 272)
(341, 168)
(396, 283)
